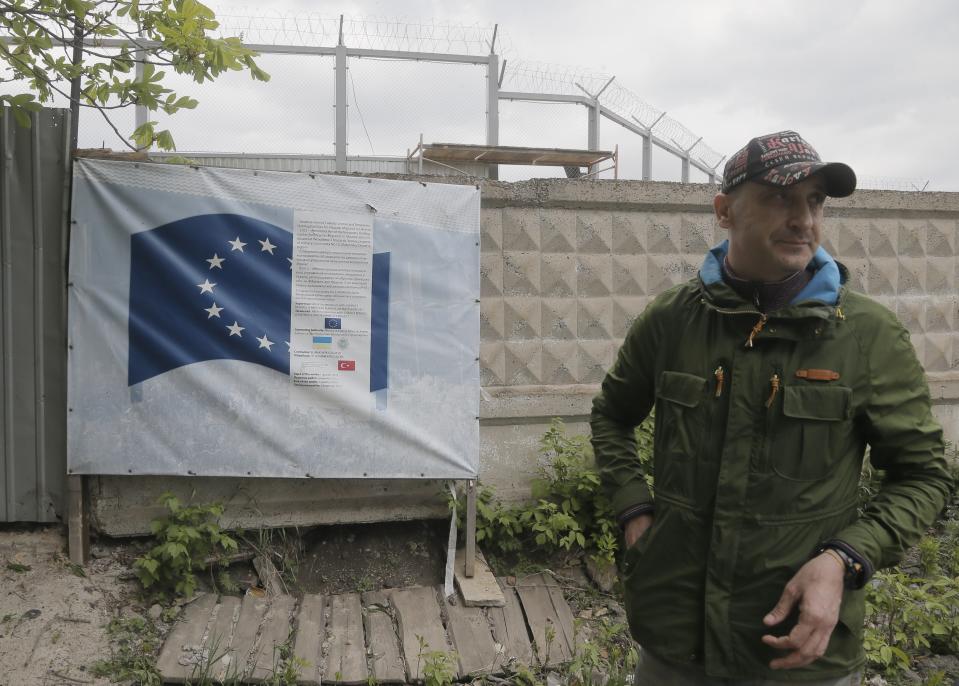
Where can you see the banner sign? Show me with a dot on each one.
(240, 323)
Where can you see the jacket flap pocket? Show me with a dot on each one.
(683, 389)
(827, 404)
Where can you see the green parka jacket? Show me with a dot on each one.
(757, 461)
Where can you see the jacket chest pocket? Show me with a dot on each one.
(804, 439)
(680, 428)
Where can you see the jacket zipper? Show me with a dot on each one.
(774, 384)
(720, 375)
(756, 329)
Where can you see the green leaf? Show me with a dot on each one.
(164, 141)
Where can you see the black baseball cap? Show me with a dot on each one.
(782, 159)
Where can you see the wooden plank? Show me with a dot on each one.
(509, 630)
(418, 616)
(543, 621)
(563, 612)
(472, 639)
(274, 633)
(387, 662)
(182, 651)
(78, 520)
(346, 659)
(269, 577)
(252, 610)
(310, 633)
(220, 636)
(480, 589)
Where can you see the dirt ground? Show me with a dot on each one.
(54, 617)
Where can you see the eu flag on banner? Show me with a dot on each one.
(332, 323)
(218, 287)
(209, 287)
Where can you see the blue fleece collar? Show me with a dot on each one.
(824, 285)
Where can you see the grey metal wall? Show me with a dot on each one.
(34, 204)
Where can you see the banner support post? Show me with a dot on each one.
(470, 566)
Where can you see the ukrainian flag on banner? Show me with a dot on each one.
(322, 342)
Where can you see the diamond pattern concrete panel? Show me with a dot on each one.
(912, 277)
(524, 363)
(882, 238)
(628, 231)
(663, 233)
(521, 273)
(941, 238)
(521, 228)
(491, 275)
(561, 286)
(521, 319)
(491, 319)
(492, 364)
(491, 232)
(625, 312)
(941, 314)
(594, 232)
(558, 231)
(850, 238)
(629, 274)
(558, 275)
(912, 314)
(559, 318)
(940, 275)
(696, 234)
(938, 354)
(594, 358)
(559, 362)
(594, 276)
(912, 241)
(594, 319)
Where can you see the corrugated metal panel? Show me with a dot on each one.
(323, 164)
(34, 197)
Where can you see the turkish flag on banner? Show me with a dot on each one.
(346, 366)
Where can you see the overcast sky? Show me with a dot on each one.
(874, 83)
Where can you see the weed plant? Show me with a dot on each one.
(569, 512)
(185, 538)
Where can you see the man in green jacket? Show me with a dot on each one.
(769, 378)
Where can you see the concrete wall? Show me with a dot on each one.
(566, 267)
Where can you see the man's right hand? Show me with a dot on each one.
(636, 527)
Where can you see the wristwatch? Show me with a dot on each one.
(853, 577)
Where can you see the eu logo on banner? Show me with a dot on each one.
(332, 323)
(218, 287)
(209, 287)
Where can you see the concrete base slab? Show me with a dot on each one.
(480, 590)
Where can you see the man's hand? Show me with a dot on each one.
(817, 588)
(636, 527)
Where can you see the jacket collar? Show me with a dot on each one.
(819, 299)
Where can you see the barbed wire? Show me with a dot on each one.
(885, 183)
(542, 77)
(272, 27)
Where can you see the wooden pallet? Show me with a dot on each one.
(385, 636)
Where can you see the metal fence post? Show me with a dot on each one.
(492, 108)
(648, 158)
(341, 104)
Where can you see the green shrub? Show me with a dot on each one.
(186, 537)
(908, 616)
(569, 512)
